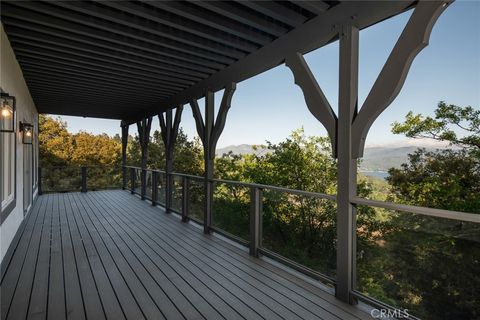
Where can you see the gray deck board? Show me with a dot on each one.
(109, 255)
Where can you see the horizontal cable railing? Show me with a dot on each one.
(251, 215)
(271, 220)
(440, 213)
(79, 178)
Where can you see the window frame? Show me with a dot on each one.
(11, 204)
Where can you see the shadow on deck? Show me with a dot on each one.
(110, 255)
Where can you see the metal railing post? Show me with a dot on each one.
(132, 180)
(185, 198)
(84, 179)
(39, 181)
(255, 220)
(154, 188)
(168, 192)
(143, 181)
(124, 178)
(208, 211)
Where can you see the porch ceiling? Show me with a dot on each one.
(127, 60)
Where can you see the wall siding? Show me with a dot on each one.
(12, 82)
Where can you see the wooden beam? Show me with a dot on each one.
(143, 128)
(317, 7)
(118, 18)
(276, 11)
(232, 11)
(176, 125)
(169, 132)
(221, 117)
(198, 120)
(93, 51)
(213, 20)
(311, 35)
(51, 16)
(347, 165)
(414, 38)
(178, 25)
(124, 153)
(209, 132)
(108, 65)
(209, 160)
(14, 18)
(316, 101)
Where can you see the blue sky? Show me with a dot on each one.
(269, 106)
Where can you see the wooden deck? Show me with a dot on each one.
(110, 255)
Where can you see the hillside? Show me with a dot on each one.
(375, 159)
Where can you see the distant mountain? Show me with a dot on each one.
(377, 158)
(384, 158)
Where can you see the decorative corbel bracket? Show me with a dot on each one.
(210, 133)
(143, 128)
(169, 130)
(414, 38)
(317, 103)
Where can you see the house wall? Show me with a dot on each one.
(12, 82)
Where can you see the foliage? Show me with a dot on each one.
(55, 142)
(58, 147)
(188, 154)
(299, 227)
(431, 265)
(62, 154)
(447, 180)
(465, 119)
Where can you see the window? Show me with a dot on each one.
(7, 164)
(35, 155)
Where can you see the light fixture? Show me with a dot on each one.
(7, 112)
(27, 132)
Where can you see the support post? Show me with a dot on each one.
(209, 133)
(143, 184)
(84, 179)
(169, 128)
(185, 198)
(169, 163)
(144, 137)
(347, 166)
(348, 131)
(256, 202)
(124, 153)
(208, 160)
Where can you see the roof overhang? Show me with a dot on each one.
(127, 60)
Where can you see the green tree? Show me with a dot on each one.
(448, 117)
(55, 142)
(299, 227)
(62, 154)
(431, 265)
(446, 179)
(188, 156)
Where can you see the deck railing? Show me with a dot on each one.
(79, 178)
(238, 214)
(187, 193)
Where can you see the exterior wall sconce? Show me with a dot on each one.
(27, 132)
(7, 113)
